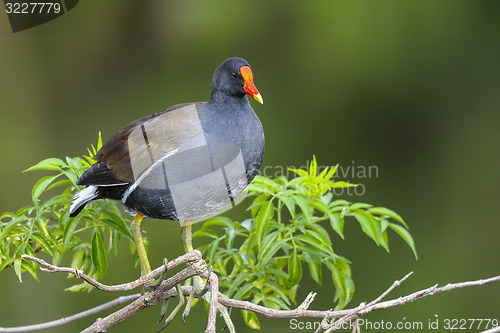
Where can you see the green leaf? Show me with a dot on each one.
(237, 282)
(403, 233)
(212, 249)
(60, 183)
(337, 223)
(230, 234)
(266, 213)
(280, 291)
(320, 233)
(242, 292)
(360, 205)
(294, 270)
(78, 257)
(219, 221)
(314, 263)
(70, 174)
(313, 241)
(99, 142)
(43, 243)
(268, 254)
(255, 187)
(11, 225)
(273, 302)
(118, 225)
(28, 267)
(367, 224)
(116, 237)
(41, 185)
(99, 254)
(341, 184)
(384, 240)
(339, 202)
(257, 203)
(313, 170)
(251, 319)
(289, 203)
(77, 287)
(205, 233)
(69, 228)
(52, 164)
(331, 173)
(266, 243)
(299, 172)
(17, 269)
(303, 204)
(387, 212)
(344, 287)
(267, 182)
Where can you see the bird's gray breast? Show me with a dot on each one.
(186, 168)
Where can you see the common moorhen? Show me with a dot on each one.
(187, 162)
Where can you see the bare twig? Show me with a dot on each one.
(212, 313)
(355, 313)
(66, 320)
(198, 267)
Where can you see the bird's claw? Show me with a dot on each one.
(154, 284)
(175, 310)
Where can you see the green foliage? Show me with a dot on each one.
(263, 259)
(46, 226)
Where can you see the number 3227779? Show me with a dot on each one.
(32, 8)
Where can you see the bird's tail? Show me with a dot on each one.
(81, 199)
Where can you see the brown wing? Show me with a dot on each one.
(136, 146)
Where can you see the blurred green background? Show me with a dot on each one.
(411, 88)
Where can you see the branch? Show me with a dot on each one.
(198, 267)
(192, 256)
(66, 320)
(145, 301)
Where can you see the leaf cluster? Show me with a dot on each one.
(46, 226)
(291, 228)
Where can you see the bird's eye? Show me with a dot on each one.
(235, 75)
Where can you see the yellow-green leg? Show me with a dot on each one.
(199, 286)
(139, 244)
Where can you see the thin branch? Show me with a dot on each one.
(354, 314)
(212, 313)
(188, 257)
(66, 320)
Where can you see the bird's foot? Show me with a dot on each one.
(195, 293)
(174, 311)
(200, 289)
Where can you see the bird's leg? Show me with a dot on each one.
(187, 243)
(139, 244)
(156, 284)
(200, 288)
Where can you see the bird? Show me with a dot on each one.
(185, 163)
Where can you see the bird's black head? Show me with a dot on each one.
(234, 78)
